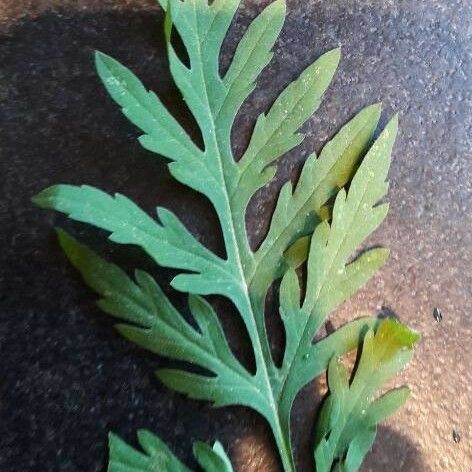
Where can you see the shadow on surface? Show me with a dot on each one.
(393, 451)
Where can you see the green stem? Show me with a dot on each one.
(238, 252)
(282, 438)
(280, 429)
(281, 433)
(256, 330)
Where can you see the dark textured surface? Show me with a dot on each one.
(67, 378)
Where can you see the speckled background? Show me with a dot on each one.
(66, 376)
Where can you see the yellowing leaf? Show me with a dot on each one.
(350, 414)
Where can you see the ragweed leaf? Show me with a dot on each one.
(252, 55)
(154, 324)
(144, 109)
(276, 133)
(306, 226)
(331, 277)
(350, 414)
(157, 457)
(168, 242)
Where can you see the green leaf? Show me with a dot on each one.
(358, 449)
(355, 216)
(144, 109)
(168, 242)
(252, 55)
(331, 277)
(296, 213)
(157, 457)
(306, 224)
(350, 414)
(276, 133)
(212, 459)
(154, 324)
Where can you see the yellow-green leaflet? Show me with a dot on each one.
(306, 227)
(349, 417)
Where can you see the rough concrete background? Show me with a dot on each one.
(66, 376)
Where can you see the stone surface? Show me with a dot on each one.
(67, 378)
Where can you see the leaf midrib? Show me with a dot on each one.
(237, 256)
(204, 352)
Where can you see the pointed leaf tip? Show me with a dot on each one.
(40, 199)
(373, 112)
(66, 241)
(280, 5)
(402, 334)
(102, 60)
(392, 127)
(375, 108)
(98, 55)
(335, 54)
(327, 63)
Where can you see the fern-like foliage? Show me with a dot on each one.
(158, 457)
(304, 228)
(349, 417)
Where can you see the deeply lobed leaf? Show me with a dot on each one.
(298, 211)
(144, 109)
(350, 414)
(331, 277)
(157, 457)
(154, 324)
(276, 132)
(168, 242)
(306, 226)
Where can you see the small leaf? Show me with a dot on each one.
(251, 56)
(358, 449)
(162, 132)
(348, 438)
(331, 278)
(157, 326)
(157, 457)
(296, 211)
(355, 216)
(275, 133)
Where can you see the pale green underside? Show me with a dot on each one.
(318, 222)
